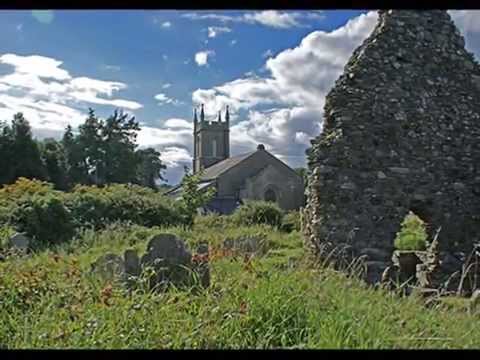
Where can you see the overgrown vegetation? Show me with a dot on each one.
(291, 221)
(412, 234)
(280, 300)
(51, 217)
(258, 212)
(277, 298)
(192, 197)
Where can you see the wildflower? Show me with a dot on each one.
(243, 308)
(106, 294)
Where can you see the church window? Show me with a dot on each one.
(270, 195)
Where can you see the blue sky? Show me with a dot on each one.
(273, 68)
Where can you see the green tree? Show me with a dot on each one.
(150, 167)
(89, 147)
(53, 156)
(193, 197)
(25, 153)
(75, 167)
(105, 152)
(6, 151)
(119, 161)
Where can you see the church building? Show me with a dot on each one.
(257, 175)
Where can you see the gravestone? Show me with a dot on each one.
(20, 241)
(246, 245)
(201, 265)
(169, 259)
(109, 267)
(401, 130)
(132, 263)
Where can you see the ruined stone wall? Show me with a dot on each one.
(401, 132)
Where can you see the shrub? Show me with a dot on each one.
(4, 214)
(193, 198)
(258, 212)
(24, 187)
(212, 221)
(34, 207)
(5, 233)
(96, 207)
(412, 234)
(291, 221)
(50, 216)
(43, 218)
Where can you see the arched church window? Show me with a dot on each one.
(270, 195)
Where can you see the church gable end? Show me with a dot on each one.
(252, 177)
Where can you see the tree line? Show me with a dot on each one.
(103, 151)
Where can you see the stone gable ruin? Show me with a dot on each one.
(401, 132)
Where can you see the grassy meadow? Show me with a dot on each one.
(281, 299)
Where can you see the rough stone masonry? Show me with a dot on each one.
(401, 132)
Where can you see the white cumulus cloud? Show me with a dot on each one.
(201, 57)
(214, 31)
(270, 18)
(49, 96)
(164, 99)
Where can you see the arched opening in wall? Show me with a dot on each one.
(421, 209)
(270, 195)
(414, 231)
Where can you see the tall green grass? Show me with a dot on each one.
(280, 300)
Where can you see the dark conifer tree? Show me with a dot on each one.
(150, 167)
(25, 153)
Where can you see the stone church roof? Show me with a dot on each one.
(214, 171)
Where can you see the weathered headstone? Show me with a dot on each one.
(246, 244)
(20, 241)
(400, 133)
(167, 257)
(201, 265)
(132, 263)
(170, 260)
(109, 267)
(132, 268)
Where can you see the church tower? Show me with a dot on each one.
(211, 140)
